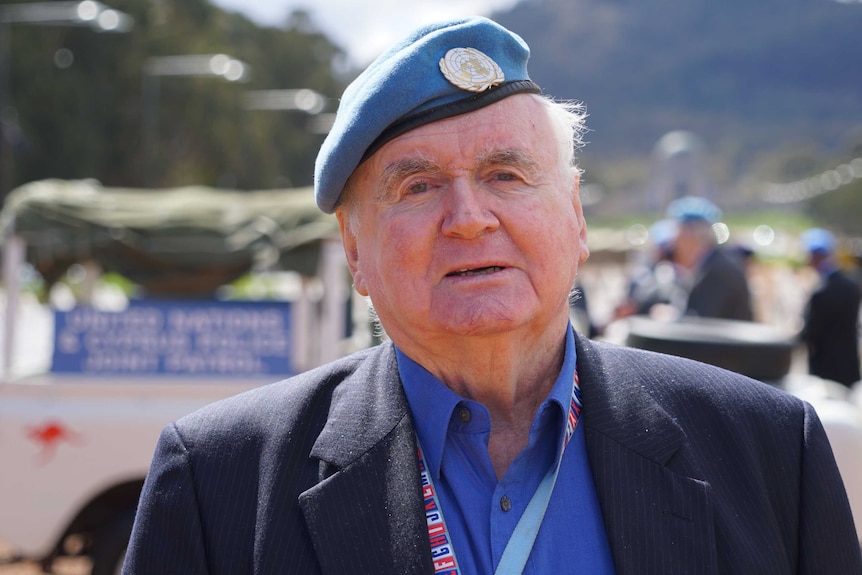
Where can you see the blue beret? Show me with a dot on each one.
(693, 208)
(409, 86)
(818, 240)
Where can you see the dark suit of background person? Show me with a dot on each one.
(831, 320)
(720, 289)
(696, 469)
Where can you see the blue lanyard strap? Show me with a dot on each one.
(520, 543)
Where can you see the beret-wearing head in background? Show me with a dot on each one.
(438, 71)
(692, 209)
(818, 241)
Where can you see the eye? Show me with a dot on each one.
(506, 177)
(418, 188)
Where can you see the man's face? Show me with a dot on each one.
(467, 226)
(690, 246)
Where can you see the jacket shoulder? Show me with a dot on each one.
(261, 411)
(679, 383)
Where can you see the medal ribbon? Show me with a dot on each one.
(521, 541)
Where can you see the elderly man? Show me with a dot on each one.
(486, 436)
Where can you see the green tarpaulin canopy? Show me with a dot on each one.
(180, 241)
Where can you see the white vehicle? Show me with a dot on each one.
(75, 456)
(77, 436)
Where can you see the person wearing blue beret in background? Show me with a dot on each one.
(485, 435)
(713, 280)
(831, 317)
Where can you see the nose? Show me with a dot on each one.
(467, 214)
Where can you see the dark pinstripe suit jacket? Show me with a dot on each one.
(697, 471)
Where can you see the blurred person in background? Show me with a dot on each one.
(653, 288)
(714, 281)
(485, 435)
(831, 317)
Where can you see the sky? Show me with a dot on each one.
(363, 28)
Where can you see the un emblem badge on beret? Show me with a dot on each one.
(470, 69)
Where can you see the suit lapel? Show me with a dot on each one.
(365, 516)
(658, 520)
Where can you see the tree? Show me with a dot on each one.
(80, 101)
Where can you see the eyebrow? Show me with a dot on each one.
(515, 157)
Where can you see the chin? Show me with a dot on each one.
(482, 322)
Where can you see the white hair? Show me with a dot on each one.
(568, 123)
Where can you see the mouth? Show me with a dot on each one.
(474, 272)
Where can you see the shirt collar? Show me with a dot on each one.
(432, 403)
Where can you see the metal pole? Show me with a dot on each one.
(13, 256)
(332, 321)
(300, 328)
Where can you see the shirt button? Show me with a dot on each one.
(464, 415)
(505, 503)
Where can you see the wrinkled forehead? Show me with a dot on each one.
(514, 132)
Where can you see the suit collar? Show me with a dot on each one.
(618, 405)
(365, 407)
(365, 515)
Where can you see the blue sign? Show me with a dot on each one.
(190, 338)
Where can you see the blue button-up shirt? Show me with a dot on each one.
(480, 511)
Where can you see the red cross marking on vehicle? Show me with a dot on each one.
(49, 435)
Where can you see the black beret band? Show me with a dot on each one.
(471, 104)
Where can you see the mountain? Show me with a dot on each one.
(742, 74)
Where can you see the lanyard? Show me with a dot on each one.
(523, 537)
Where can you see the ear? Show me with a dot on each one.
(351, 251)
(584, 250)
